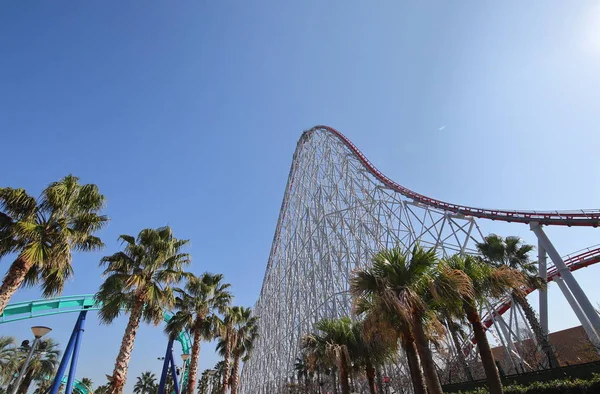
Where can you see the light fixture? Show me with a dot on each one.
(40, 331)
(185, 357)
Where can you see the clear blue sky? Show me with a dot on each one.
(187, 113)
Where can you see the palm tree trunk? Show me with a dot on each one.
(335, 383)
(459, 352)
(12, 281)
(228, 345)
(195, 358)
(344, 376)
(416, 375)
(370, 372)
(379, 380)
(119, 375)
(422, 344)
(487, 358)
(540, 337)
(235, 379)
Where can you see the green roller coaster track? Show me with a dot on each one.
(70, 304)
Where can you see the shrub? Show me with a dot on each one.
(574, 386)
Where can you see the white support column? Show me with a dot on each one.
(543, 273)
(503, 335)
(585, 323)
(565, 273)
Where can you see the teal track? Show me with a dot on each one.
(70, 304)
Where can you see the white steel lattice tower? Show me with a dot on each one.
(337, 211)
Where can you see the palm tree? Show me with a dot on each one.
(44, 233)
(407, 285)
(233, 315)
(7, 359)
(374, 347)
(487, 282)
(302, 369)
(145, 384)
(381, 317)
(101, 389)
(204, 381)
(43, 386)
(139, 280)
(513, 253)
(88, 383)
(338, 337)
(196, 305)
(217, 377)
(245, 332)
(43, 363)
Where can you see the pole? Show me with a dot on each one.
(25, 365)
(567, 275)
(65, 359)
(165, 369)
(73, 367)
(543, 273)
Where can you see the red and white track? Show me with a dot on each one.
(586, 217)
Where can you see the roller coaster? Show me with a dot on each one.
(337, 210)
(82, 304)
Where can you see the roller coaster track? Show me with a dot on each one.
(574, 262)
(337, 210)
(70, 304)
(586, 217)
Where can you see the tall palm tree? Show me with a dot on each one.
(513, 253)
(408, 284)
(245, 333)
(43, 363)
(139, 280)
(232, 316)
(487, 282)
(44, 233)
(381, 317)
(196, 305)
(145, 384)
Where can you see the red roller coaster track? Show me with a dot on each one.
(557, 218)
(574, 262)
(578, 260)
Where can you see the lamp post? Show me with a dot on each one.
(38, 332)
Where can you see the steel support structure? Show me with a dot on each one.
(337, 211)
(543, 294)
(169, 364)
(567, 276)
(70, 357)
(585, 323)
(335, 215)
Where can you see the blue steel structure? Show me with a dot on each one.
(83, 304)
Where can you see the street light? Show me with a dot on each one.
(185, 357)
(38, 332)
